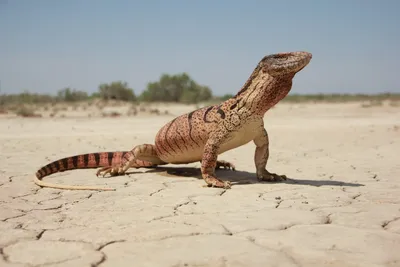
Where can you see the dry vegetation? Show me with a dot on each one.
(93, 108)
(117, 99)
(27, 112)
(45, 106)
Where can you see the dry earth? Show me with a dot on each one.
(340, 207)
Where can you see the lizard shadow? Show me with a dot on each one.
(241, 177)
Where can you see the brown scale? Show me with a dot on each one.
(92, 162)
(161, 144)
(195, 134)
(173, 139)
(179, 127)
(170, 139)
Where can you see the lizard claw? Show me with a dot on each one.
(225, 165)
(270, 177)
(227, 185)
(103, 171)
(113, 171)
(215, 182)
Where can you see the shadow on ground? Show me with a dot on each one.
(241, 177)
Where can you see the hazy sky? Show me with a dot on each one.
(47, 45)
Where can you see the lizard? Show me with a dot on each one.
(205, 133)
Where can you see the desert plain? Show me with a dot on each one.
(340, 206)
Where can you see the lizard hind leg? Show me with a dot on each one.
(140, 156)
(226, 165)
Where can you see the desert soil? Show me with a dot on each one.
(340, 207)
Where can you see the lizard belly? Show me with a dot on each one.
(189, 153)
(245, 134)
(177, 150)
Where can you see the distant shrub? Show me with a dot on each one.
(26, 112)
(225, 97)
(340, 98)
(176, 88)
(26, 98)
(71, 95)
(116, 90)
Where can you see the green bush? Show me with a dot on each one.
(25, 98)
(225, 97)
(116, 90)
(69, 95)
(176, 88)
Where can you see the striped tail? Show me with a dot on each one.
(84, 161)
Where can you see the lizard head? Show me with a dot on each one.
(273, 77)
(285, 63)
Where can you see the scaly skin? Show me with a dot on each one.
(203, 134)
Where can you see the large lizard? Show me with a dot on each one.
(203, 134)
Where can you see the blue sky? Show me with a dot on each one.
(47, 45)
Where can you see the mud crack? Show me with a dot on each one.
(40, 234)
(4, 256)
(222, 192)
(159, 190)
(103, 255)
(278, 202)
(227, 231)
(181, 204)
(386, 223)
(328, 219)
(155, 192)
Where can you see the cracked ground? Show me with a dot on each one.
(339, 207)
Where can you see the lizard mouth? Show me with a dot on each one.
(284, 63)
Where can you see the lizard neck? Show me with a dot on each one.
(261, 92)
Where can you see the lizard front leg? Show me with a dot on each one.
(140, 156)
(261, 158)
(209, 163)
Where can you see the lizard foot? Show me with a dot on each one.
(112, 170)
(215, 182)
(270, 177)
(225, 164)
